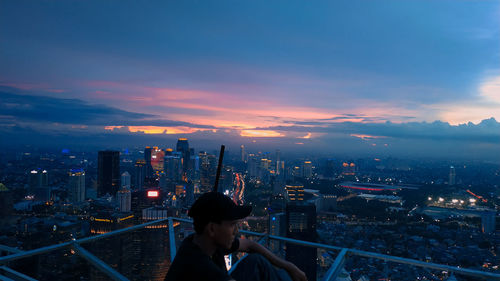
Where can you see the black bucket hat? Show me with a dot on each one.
(216, 207)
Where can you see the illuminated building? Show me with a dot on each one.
(295, 192)
(77, 185)
(124, 197)
(253, 166)
(183, 148)
(142, 199)
(179, 189)
(307, 169)
(120, 250)
(108, 172)
(452, 175)
(39, 184)
(155, 213)
(277, 222)
(243, 154)
(277, 161)
(301, 225)
(277, 226)
(147, 158)
(348, 169)
(173, 167)
(157, 156)
(125, 180)
(208, 164)
(140, 173)
(326, 203)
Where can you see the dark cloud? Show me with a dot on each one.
(43, 109)
(486, 131)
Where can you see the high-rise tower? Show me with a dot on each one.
(140, 173)
(301, 225)
(108, 172)
(77, 185)
(452, 176)
(183, 148)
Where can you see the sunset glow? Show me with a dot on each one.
(260, 134)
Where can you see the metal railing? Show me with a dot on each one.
(331, 274)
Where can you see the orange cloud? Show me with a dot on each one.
(308, 136)
(157, 129)
(367, 137)
(260, 134)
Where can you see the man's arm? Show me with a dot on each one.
(296, 274)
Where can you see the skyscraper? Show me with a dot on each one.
(242, 154)
(140, 173)
(301, 225)
(183, 148)
(124, 197)
(125, 180)
(452, 176)
(77, 185)
(108, 172)
(307, 169)
(39, 184)
(147, 158)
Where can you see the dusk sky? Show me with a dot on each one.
(389, 77)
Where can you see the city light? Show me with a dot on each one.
(441, 199)
(153, 193)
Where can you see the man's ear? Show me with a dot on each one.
(210, 229)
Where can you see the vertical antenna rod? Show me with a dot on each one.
(219, 167)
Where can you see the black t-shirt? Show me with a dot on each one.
(192, 264)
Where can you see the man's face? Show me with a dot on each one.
(225, 232)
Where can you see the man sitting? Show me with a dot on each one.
(201, 255)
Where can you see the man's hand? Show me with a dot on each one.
(295, 273)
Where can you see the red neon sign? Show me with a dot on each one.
(153, 193)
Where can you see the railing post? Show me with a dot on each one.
(336, 267)
(95, 261)
(171, 238)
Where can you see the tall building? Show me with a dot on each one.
(125, 180)
(39, 184)
(307, 169)
(157, 156)
(77, 185)
(147, 158)
(208, 165)
(173, 167)
(295, 192)
(38, 179)
(452, 176)
(277, 227)
(108, 172)
(140, 173)
(242, 154)
(301, 225)
(183, 148)
(124, 197)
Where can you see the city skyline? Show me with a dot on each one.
(380, 78)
